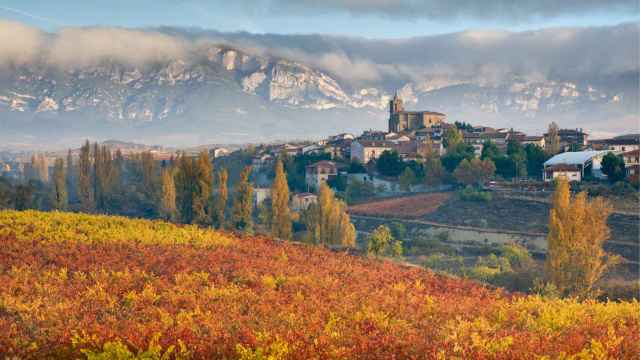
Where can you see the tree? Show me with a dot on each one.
(389, 163)
(85, 188)
(185, 177)
(202, 190)
(464, 173)
(452, 138)
(359, 190)
(613, 166)
(70, 178)
(434, 172)
(60, 198)
(221, 199)
(505, 167)
(490, 150)
(328, 222)
(552, 140)
(536, 157)
(516, 153)
(280, 213)
(168, 197)
(577, 232)
(475, 171)
(382, 242)
(407, 178)
(243, 202)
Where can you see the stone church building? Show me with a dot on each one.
(405, 121)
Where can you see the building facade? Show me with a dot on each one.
(403, 121)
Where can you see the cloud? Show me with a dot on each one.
(483, 56)
(444, 10)
(88, 46)
(19, 43)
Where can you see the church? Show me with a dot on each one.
(407, 121)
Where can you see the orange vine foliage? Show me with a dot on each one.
(70, 290)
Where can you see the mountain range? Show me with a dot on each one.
(221, 93)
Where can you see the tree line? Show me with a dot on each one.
(184, 189)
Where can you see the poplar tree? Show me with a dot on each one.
(577, 232)
(328, 222)
(70, 176)
(552, 141)
(185, 177)
(85, 189)
(280, 213)
(221, 198)
(202, 189)
(168, 198)
(60, 198)
(243, 202)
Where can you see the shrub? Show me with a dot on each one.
(470, 194)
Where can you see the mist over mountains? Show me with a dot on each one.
(189, 86)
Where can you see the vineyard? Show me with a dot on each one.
(103, 287)
(410, 207)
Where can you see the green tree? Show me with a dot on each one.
(452, 138)
(168, 197)
(280, 212)
(536, 157)
(577, 232)
(613, 167)
(243, 202)
(407, 178)
(359, 190)
(221, 198)
(85, 188)
(381, 242)
(60, 198)
(490, 150)
(389, 163)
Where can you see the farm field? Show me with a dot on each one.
(410, 207)
(108, 287)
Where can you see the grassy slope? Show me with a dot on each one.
(75, 282)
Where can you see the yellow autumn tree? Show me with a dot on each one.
(280, 213)
(328, 222)
(578, 230)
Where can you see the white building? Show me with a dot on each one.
(260, 195)
(320, 172)
(367, 150)
(574, 165)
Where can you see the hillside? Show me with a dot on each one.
(82, 284)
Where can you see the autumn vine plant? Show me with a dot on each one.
(99, 287)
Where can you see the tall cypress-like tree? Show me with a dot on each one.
(552, 141)
(202, 190)
(280, 213)
(168, 197)
(70, 177)
(243, 202)
(185, 177)
(221, 198)
(60, 198)
(85, 188)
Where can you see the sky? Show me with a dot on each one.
(361, 18)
